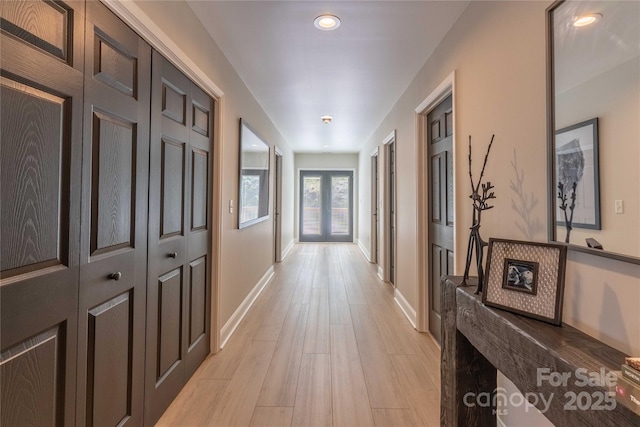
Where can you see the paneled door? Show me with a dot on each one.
(40, 154)
(114, 222)
(374, 208)
(440, 152)
(326, 206)
(391, 209)
(179, 272)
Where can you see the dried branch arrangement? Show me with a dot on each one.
(480, 204)
(568, 217)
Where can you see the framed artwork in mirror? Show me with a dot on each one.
(577, 175)
(253, 182)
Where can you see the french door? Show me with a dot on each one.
(326, 206)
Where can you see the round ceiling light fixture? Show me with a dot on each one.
(326, 22)
(326, 119)
(588, 19)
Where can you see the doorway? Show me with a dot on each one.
(326, 206)
(277, 208)
(390, 208)
(440, 205)
(374, 207)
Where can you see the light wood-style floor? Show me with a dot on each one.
(324, 344)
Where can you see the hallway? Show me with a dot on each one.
(324, 344)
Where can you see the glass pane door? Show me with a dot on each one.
(312, 205)
(326, 206)
(340, 212)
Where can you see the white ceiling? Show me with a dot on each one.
(355, 73)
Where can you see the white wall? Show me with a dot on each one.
(497, 50)
(327, 161)
(255, 243)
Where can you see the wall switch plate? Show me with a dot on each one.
(619, 206)
(231, 206)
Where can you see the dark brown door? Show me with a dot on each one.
(440, 152)
(391, 217)
(277, 207)
(40, 170)
(114, 222)
(374, 209)
(179, 276)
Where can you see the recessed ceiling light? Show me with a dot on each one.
(326, 22)
(325, 146)
(588, 19)
(326, 119)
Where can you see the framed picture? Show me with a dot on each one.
(521, 276)
(526, 278)
(576, 151)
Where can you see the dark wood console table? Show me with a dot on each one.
(478, 340)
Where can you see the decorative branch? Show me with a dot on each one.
(568, 218)
(480, 203)
(470, 175)
(486, 157)
(573, 203)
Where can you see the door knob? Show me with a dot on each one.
(115, 276)
(173, 255)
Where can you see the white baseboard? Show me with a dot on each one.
(364, 251)
(287, 249)
(406, 308)
(380, 273)
(229, 328)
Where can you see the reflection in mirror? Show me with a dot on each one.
(253, 198)
(595, 142)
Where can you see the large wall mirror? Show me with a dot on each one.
(253, 198)
(594, 126)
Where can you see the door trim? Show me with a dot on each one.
(146, 28)
(386, 206)
(444, 89)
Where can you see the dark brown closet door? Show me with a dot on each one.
(114, 223)
(178, 293)
(197, 304)
(40, 152)
(440, 152)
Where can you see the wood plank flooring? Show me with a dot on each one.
(323, 345)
